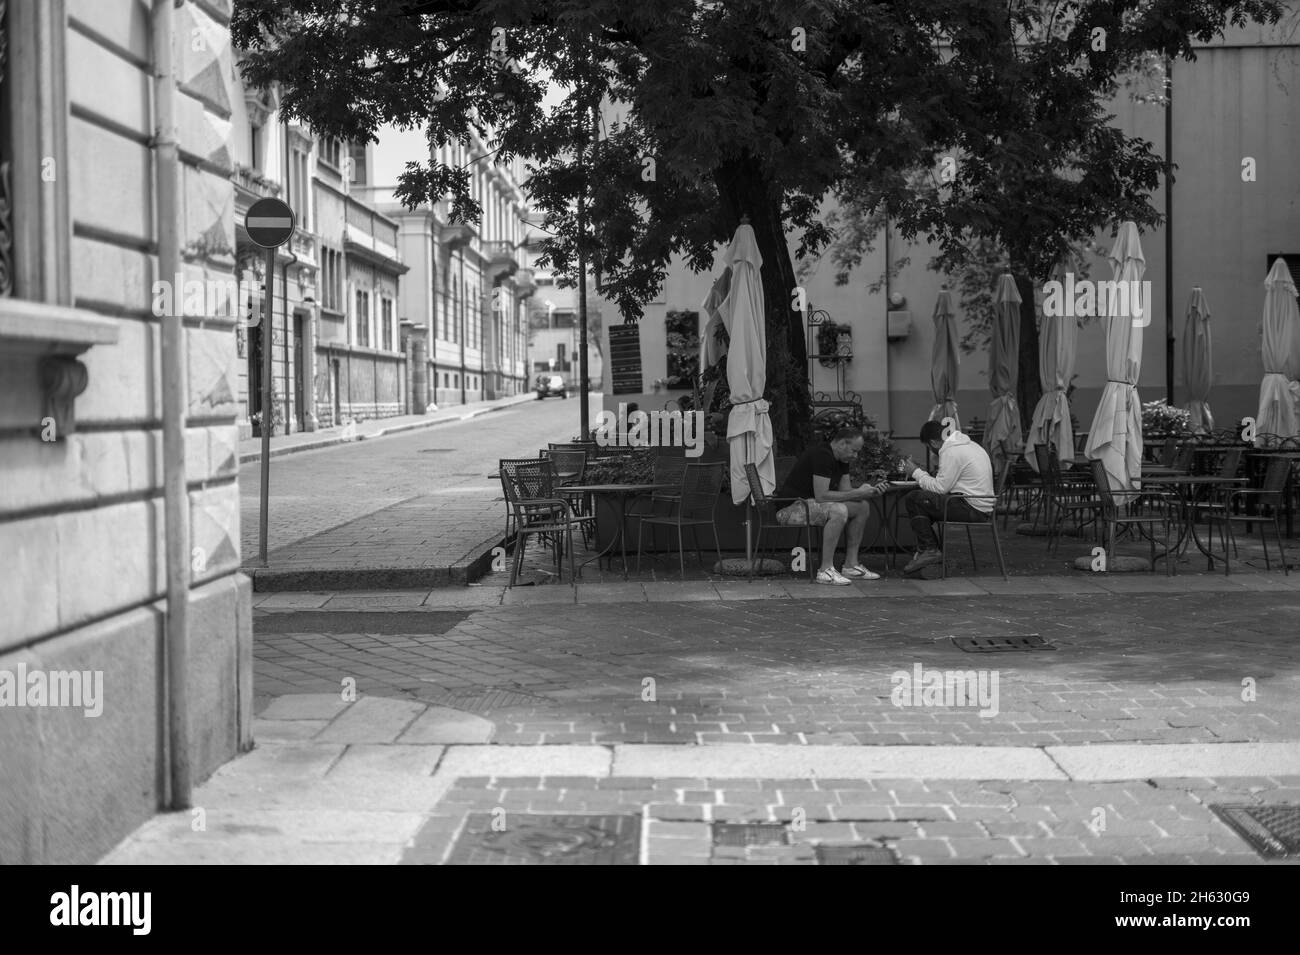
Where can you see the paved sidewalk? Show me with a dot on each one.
(386, 734)
(250, 449)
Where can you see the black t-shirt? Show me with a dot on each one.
(819, 461)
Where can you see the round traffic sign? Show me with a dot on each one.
(269, 222)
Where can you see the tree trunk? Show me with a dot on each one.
(1029, 387)
(743, 190)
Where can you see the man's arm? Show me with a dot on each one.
(822, 490)
(944, 481)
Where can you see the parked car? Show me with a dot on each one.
(548, 385)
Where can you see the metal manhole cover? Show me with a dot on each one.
(855, 855)
(519, 839)
(1031, 641)
(750, 834)
(1272, 831)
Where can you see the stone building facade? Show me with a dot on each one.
(465, 300)
(84, 519)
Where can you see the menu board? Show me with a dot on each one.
(625, 358)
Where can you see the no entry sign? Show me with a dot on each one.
(269, 222)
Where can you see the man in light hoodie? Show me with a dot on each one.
(964, 469)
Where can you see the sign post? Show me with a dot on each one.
(269, 224)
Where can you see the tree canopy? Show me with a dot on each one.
(753, 108)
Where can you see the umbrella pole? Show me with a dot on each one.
(749, 544)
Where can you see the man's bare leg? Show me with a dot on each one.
(835, 521)
(859, 511)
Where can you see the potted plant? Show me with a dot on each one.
(1160, 421)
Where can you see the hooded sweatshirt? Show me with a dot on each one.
(964, 468)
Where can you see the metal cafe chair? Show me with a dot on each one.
(766, 507)
(1112, 519)
(991, 524)
(701, 484)
(1056, 491)
(667, 469)
(1269, 496)
(506, 468)
(530, 488)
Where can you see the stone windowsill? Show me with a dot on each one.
(41, 329)
(39, 345)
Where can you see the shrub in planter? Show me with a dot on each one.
(878, 457)
(1160, 420)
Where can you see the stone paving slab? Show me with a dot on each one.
(1125, 762)
(523, 760)
(372, 720)
(809, 762)
(253, 851)
(441, 724)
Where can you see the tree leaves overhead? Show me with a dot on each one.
(760, 108)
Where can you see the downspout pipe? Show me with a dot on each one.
(288, 353)
(301, 215)
(178, 788)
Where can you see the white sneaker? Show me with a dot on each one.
(860, 572)
(832, 576)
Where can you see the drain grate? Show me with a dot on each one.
(750, 834)
(1031, 641)
(519, 839)
(482, 699)
(436, 450)
(1272, 831)
(855, 855)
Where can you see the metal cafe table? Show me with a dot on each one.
(616, 498)
(887, 505)
(1189, 487)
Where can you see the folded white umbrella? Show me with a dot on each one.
(944, 360)
(1058, 344)
(711, 350)
(749, 429)
(1197, 365)
(1003, 438)
(1279, 392)
(1116, 433)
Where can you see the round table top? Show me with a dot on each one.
(617, 488)
(1191, 479)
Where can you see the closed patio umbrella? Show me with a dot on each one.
(749, 429)
(1058, 344)
(1003, 438)
(944, 360)
(1279, 392)
(1197, 366)
(1116, 434)
(711, 350)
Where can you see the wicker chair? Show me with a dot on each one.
(530, 489)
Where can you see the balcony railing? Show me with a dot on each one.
(252, 181)
(500, 256)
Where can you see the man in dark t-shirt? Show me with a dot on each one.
(819, 483)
